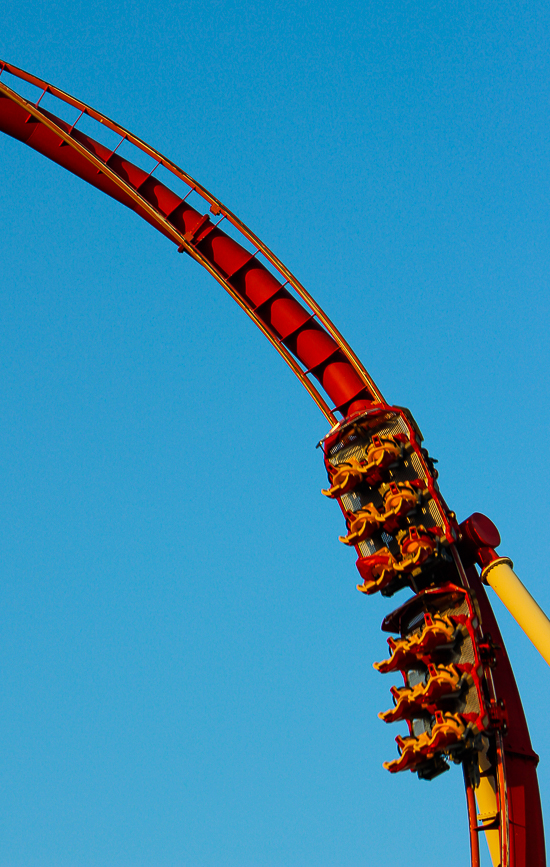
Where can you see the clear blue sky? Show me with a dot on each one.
(186, 674)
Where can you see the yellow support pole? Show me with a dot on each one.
(519, 602)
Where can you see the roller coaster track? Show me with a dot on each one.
(495, 750)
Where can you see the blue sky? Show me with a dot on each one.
(186, 669)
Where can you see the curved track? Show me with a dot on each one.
(296, 326)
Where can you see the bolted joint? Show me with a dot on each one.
(477, 541)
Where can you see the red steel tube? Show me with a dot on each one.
(472, 819)
(524, 811)
(261, 291)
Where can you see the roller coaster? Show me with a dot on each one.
(459, 698)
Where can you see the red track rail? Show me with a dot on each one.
(520, 807)
(299, 330)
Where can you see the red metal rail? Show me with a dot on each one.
(521, 814)
(299, 330)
